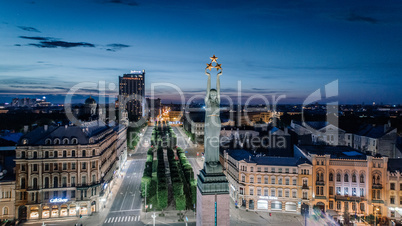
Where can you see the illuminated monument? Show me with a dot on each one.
(213, 188)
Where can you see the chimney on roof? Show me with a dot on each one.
(45, 127)
(26, 129)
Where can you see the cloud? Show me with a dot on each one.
(48, 42)
(123, 2)
(55, 44)
(116, 46)
(353, 17)
(31, 29)
(35, 38)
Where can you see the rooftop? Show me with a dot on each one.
(240, 154)
(336, 152)
(395, 165)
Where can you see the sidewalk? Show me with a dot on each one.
(188, 141)
(139, 142)
(169, 218)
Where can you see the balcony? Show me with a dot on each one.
(319, 183)
(304, 186)
(377, 186)
(348, 198)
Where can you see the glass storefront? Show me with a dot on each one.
(276, 205)
(63, 210)
(290, 206)
(55, 211)
(34, 212)
(262, 204)
(72, 211)
(84, 209)
(45, 212)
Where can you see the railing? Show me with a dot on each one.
(377, 186)
(304, 186)
(319, 183)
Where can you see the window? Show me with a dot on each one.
(84, 154)
(74, 141)
(5, 210)
(273, 192)
(73, 194)
(243, 178)
(64, 153)
(294, 181)
(55, 194)
(361, 192)
(47, 167)
(354, 206)
(251, 191)
(55, 166)
(287, 170)
(241, 191)
(46, 182)
(46, 195)
(64, 182)
(46, 154)
(265, 180)
(55, 154)
(400, 200)
(84, 180)
(35, 167)
(331, 190)
(400, 187)
(22, 154)
(73, 166)
(64, 166)
(64, 194)
(331, 205)
(259, 191)
(338, 177)
(93, 178)
(258, 169)
(346, 191)
(361, 206)
(272, 170)
(55, 182)
(56, 141)
(35, 155)
(346, 178)
(22, 168)
(305, 195)
(287, 194)
(361, 178)
(287, 181)
(272, 180)
(280, 180)
(93, 152)
(266, 169)
(73, 153)
(354, 191)
(84, 165)
(392, 200)
(279, 193)
(338, 205)
(259, 180)
(72, 181)
(354, 178)
(23, 182)
(294, 170)
(338, 190)
(331, 177)
(93, 165)
(280, 170)
(392, 186)
(266, 192)
(35, 183)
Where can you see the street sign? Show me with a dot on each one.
(146, 206)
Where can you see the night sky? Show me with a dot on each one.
(274, 47)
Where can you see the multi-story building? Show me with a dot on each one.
(263, 183)
(7, 199)
(132, 94)
(319, 133)
(345, 180)
(65, 171)
(394, 191)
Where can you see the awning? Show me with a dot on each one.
(332, 213)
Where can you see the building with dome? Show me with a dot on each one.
(90, 106)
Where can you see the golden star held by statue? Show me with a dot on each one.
(209, 66)
(214, 58)
(218, 66)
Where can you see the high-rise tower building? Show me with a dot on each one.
(131, 91)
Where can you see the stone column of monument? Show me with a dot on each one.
(212, 185)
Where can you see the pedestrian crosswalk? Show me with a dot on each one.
(122, 219)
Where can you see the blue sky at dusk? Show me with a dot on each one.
(272, 47)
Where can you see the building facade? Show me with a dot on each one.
(132, 94)
(347, 182)
(274, 184)
(7, 200)
(64, 171)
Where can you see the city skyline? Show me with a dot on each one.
(291, 48)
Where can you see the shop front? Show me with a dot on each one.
(72, 211)
(276, 205)
(83, 209)
(45, 212)
(290, 206)
(63, 210)
(262, 205)
(34, 212)
(93, 207)
(55, 211)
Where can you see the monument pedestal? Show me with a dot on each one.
(212, 197)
